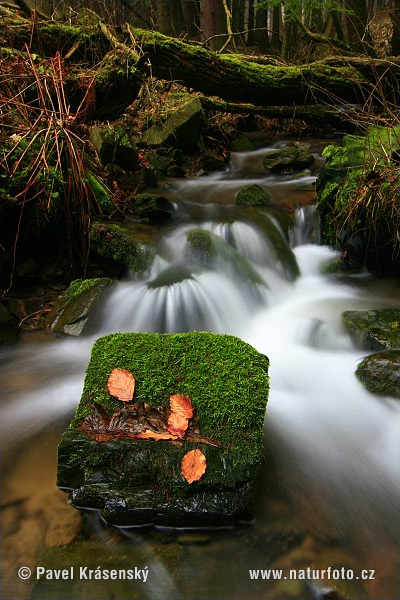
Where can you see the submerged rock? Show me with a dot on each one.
(380, 373)
(205, 248)
(73, 310)
(181, 129)
(288, 159)
(252, 195)
(122, 246)
(139, 481)
(374, 329)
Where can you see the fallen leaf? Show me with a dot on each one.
(181, 412)
(96, 423)
(154, 435)
(193, 465)
(121, 384)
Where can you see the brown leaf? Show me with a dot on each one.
(96, 423)
(181, 412)
(154, 435)
(193, 465)
(121, 384)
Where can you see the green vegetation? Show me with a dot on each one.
(225, 378)
(252, 195)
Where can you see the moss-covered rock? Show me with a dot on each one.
(152, 207)
(380, 373)
(139, 481)
(288, 159)
(9, 329)
(252, 195)
(72, 312)
(374, 329)
(206, 249)
(121, 246)
(280, 250)
(180, 129)
(211, 161)
(115, 145)
(242, 143)
(171, 276)
(102, 195)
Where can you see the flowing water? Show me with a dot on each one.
(329, 489)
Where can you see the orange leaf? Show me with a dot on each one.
(154, 435)
(193, 465)
(181, 412)
(121, 384)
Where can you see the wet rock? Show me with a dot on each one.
(288, 159)
(122, 246)
(136, 482)
(252, 195)
(72, 312)
(380, 373)
(211, 161)
(374, 329)
(280, 250)
(114, 145)
(181, 129)
(207, 249)
(9, 329)
(242, 143)
(171, 276)
(152, 207)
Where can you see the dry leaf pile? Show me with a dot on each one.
(144, 422)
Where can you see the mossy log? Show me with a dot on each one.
(232, 78)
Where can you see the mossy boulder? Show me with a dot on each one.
(152, 207)
(121, 246)
(288, 159)
(171, 276)
(136, 482)
(101, 193)
(180, 129)
(281, 253)
(374, 329)
(9, 329)
(115, 145)
(211, 161)
(72, 312)
(252, 195)
(242, 143)
(207, 249)
(380, 373)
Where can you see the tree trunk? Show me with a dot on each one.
(357, 26)
(395, 41)
(251, 24)
(213, 21)
(276, 28)
(261, 36)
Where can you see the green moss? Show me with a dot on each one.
(225, 378)
(288, 158)
(380, 373)
(101, 194)
(374, 329)
(122, 246)
(171, 276)
(78, 286)
(252, 195)
(205, 247)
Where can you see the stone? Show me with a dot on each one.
(122, 246)
(252, 195)
(211, 161)
(288, 159)
(106, 139)
(380, 373)
(9, 329)
(152, 207)
(242, 143)
(374, 329)
(181, 128)
(77, 303)
(138, 482)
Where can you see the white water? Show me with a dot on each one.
(325, 430)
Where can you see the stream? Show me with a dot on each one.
(328, 491)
